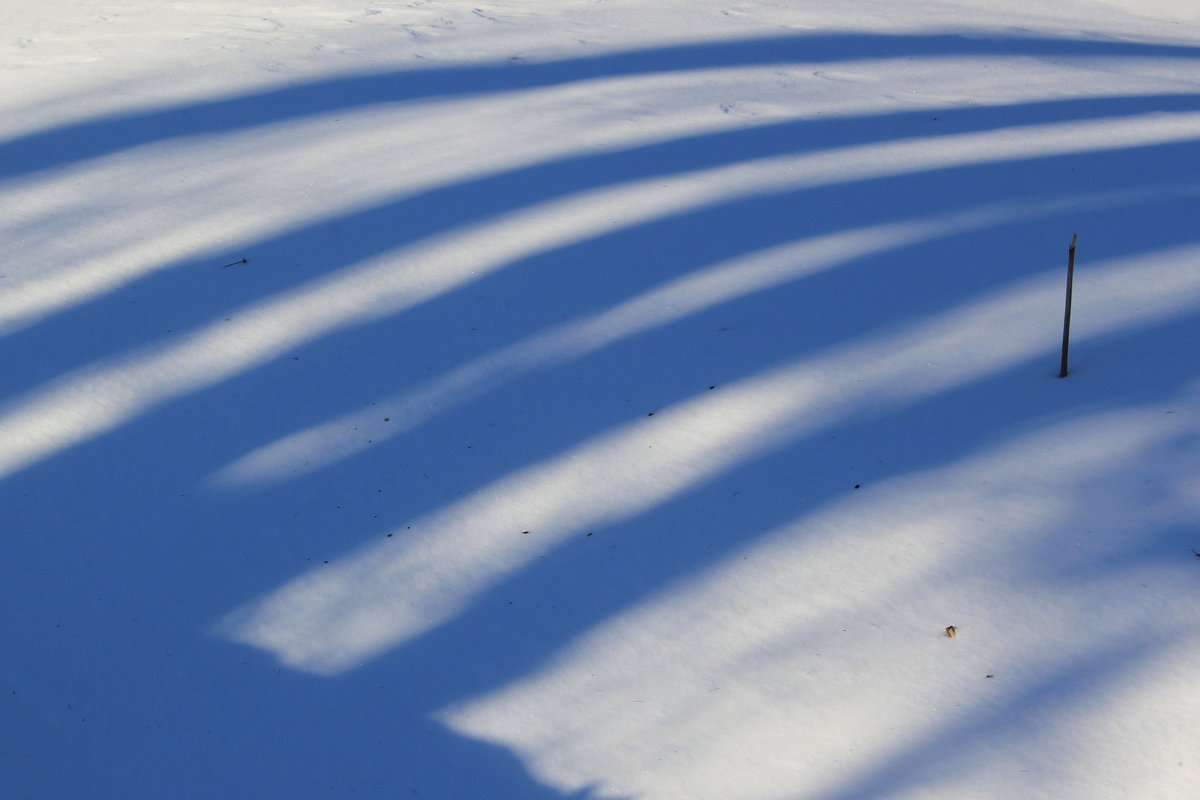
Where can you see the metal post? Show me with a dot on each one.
(1062, 372)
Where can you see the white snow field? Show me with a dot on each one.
(605, 399)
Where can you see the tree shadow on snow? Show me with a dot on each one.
(120, 557)
(75, 142)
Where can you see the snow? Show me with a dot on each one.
(616, 400)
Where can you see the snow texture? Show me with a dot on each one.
(599, 399)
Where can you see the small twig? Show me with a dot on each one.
(235, 263)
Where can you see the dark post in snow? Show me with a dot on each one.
(1062, 372)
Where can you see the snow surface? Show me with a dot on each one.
(599, 399)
